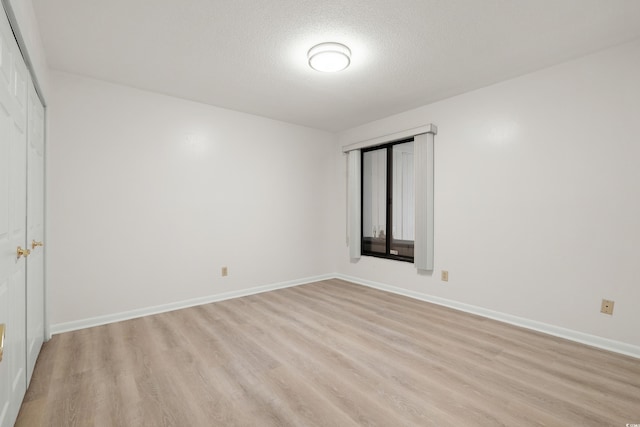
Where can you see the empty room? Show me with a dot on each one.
(327, 213)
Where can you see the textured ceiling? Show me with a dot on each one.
(251, 55)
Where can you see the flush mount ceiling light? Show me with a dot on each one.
(329, 57)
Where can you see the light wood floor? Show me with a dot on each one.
(329, 354)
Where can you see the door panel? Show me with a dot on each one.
(6, 267)
(5, 240)
(35, 231)
(13, 158)
(18, 192)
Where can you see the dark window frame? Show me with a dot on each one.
(389, 205)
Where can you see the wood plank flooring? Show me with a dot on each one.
(330, 353)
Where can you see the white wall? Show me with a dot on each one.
(151, 195)
(537, 202)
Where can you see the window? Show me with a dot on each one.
(410, 184)
(388, 201)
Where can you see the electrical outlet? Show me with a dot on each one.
(225, 272)
(607, 306)
(444, 276)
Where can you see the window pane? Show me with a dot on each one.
(374, 201)
(403, 194)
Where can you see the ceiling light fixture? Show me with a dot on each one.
(329, 57)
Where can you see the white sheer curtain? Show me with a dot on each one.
(353, 203)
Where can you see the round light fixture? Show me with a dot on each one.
(329, 57)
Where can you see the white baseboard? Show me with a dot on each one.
(592, 340)
(59, 328)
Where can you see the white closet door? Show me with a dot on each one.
(35, 230)
(13, 193)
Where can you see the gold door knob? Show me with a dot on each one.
(23, 252)
(35, 244)
(2, 328)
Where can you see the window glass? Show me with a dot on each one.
(374, 201)
(403, 194)
(388, 201)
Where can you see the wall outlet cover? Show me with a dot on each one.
(607, 306)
